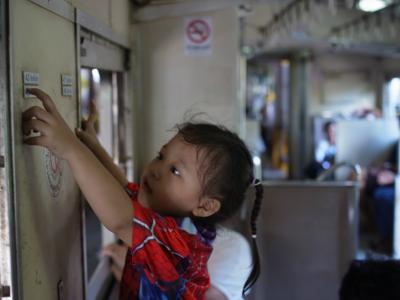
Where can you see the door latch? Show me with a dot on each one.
(5, 291)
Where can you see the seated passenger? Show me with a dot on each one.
(371, 280)
(379, 187)
(325, 152)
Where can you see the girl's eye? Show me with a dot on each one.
(175, 171)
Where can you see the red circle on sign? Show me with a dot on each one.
(198, 31)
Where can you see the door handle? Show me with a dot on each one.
(5, 291)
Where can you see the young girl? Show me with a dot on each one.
(203, 173)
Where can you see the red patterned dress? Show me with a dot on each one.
(164, 261)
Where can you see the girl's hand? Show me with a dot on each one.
(88, 133)
(118, 255)
(55, 133)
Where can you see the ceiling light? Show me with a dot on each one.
(372, 5)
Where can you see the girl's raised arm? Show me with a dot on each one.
(104, 193)
(89, 137)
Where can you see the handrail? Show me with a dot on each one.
(355, 167)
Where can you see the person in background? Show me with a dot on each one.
(325, 152)
(379, 187)
(371, 280)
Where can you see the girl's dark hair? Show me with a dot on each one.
(226, 172)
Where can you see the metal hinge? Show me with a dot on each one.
(5, 291)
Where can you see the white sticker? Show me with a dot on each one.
(66, 79)
(31, 78)
(67, 90)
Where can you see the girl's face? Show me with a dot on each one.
(170, 183)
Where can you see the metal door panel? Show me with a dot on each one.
(48, 217)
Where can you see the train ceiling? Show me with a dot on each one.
(268, 25)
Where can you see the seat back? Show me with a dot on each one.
(307, 235)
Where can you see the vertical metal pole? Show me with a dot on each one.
(115, 117)
(298, 115)
(79, 118)
(9, 286)
(378, 82)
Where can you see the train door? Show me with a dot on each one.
(45, 198)
(102, 81)
(267, 115)
(43, 44)
(6, 210)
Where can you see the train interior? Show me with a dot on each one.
(311, 86)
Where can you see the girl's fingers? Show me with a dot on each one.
(85, 124)
(46, 100)
(108, 250)
(93, 112)
(82, 135)
(78, 132)
(38, 113)
(116, 252)
(35, 125)
(117, 272)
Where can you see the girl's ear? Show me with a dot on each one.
(207, 207)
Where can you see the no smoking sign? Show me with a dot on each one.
(198, 36)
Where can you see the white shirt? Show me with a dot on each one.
(230, 263)
(324, 148)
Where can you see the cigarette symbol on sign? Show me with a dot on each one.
(198, 31)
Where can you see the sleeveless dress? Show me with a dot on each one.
(164, 261)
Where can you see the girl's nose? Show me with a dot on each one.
(155, 172)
